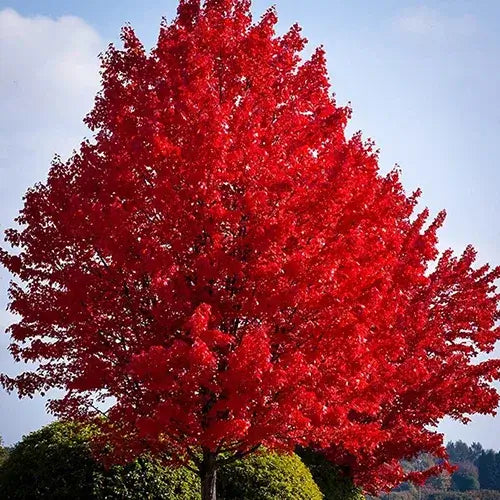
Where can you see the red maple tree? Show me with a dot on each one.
(224, 269)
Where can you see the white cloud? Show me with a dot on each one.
(50, 73)
(49, 76)
(428, 22)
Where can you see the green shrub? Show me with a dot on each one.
(267, 476)
(55, 463)
(146, 479)
(334, 484)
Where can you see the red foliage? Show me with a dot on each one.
(226, 268)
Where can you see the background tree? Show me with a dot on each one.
(423, 462)
(466, 477)
(489, 470)
(3, 452)
(462, 484)
(461, 452)
(497, 469)
(225, 269)
(439, 482)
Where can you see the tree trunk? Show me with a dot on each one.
(208, 475)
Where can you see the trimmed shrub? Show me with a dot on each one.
(267, 476)
(55, 463)
(146, 479)
(333, 483)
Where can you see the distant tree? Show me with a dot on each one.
(406, 486)
(488, 464)
(3, 452)
(421, 462)
(465, 495)
(458, 451)
(466, 477)
(475, 451)
(497, 470)
(440, 482)
(461, 452)
(401, 495)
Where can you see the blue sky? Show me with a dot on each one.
(422, 78)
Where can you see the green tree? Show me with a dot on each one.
(461, 452)
(476, 449)
(441, 482)
(496, 481)
(458, 451)
(466, 477)
(488, 464)
(3, 452)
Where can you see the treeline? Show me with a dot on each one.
(477, 468)
(477, 476)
